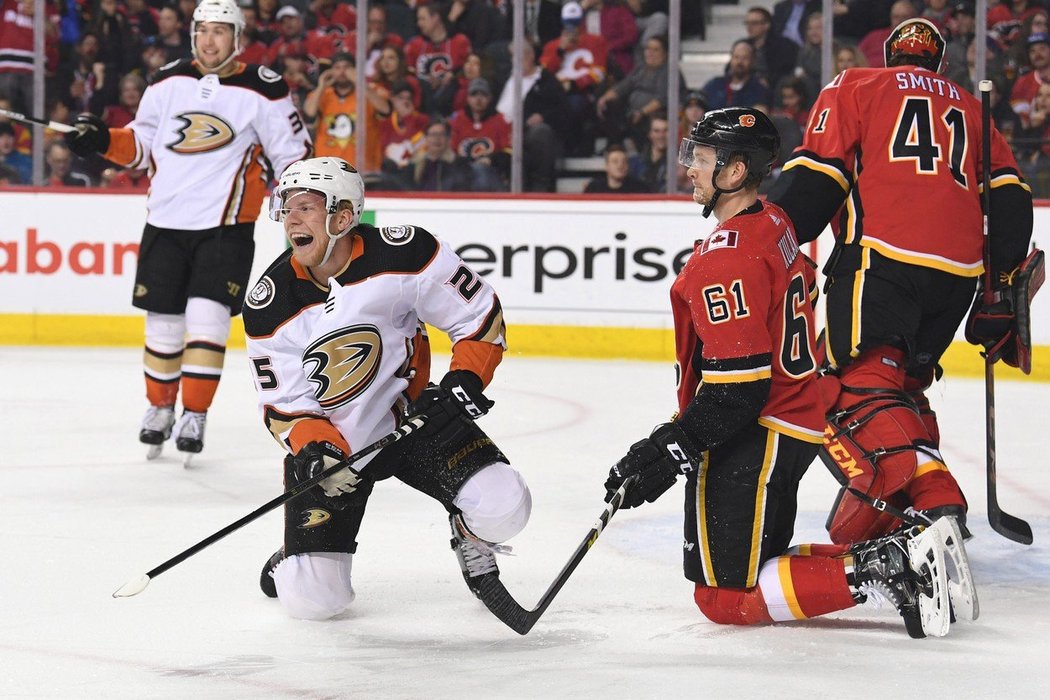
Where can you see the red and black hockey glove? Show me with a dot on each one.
(658, 460)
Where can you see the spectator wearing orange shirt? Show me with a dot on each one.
(334, 103)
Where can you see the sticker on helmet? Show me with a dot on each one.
(397, 235)
(747, 120)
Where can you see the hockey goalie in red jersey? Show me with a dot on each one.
(749, 420)
(892, 158)
(336, 342)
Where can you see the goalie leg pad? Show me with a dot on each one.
(315, 586)
(731, 606)
(875, 440)
(495, 502)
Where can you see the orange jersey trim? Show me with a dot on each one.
(478, 357)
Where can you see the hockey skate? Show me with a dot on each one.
(156, 428)
(477, 558)
(961, 591)
(908, 570)
(189, 434)
(266, 582)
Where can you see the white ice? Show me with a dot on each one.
(82, 512)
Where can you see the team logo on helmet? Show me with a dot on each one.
(342, 365)
(201, 133)
(747, 120)
(261, 295)
(918, 38)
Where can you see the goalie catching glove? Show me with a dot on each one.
(314, 458)
(657, 460)
(91, 136)
(1001, 321)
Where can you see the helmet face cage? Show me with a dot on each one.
(916, 41)
(220, 11)
(333, 178)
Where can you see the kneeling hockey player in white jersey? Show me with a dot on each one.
(213, 132)
(337, 344)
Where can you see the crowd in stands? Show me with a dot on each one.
(438, 100)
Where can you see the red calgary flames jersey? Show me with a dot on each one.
(905, 145)
(743, 312)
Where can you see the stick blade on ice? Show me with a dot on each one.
(132, 587)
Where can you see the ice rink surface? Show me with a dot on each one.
(82, 511)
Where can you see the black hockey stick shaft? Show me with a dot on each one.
(136, 585)
(55, 126)
(1009, 526)
(501, 603)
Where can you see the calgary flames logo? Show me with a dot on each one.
(433, 64)
(747, 120)
(200, 133)
(476, 147)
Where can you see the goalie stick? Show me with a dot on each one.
(138, 584)
(501, 603)
(1009, 526)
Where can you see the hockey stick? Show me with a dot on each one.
(1009, 526)
(501, 603)
(139, 583)
(55, 126)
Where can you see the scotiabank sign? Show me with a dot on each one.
(34, 255)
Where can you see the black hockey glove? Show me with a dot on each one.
(91, 135)
(459, 394)
(313, 459)
(658, 460)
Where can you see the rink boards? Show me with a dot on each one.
(577, 277)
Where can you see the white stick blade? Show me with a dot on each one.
(132, 587)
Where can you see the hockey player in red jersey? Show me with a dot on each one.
(336, 343)
(894, 155)
(749, 421)
(209, 131)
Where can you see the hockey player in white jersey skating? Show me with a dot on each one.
(209, 131)
(339, 352)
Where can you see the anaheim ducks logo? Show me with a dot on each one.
(342, 365)
(476, 147)
(200, 133)
(314, 517)
(341, 127)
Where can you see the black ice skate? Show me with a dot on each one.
(189, 434)
(266, 582)
(156, 428)
(907, 569)
(477, 558)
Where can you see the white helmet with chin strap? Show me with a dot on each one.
(224, 12)
(332, 178)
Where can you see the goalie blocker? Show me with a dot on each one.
(1001, 321)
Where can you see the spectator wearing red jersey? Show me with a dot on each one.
(253, 47)
(23, 136)
(392, 70)
(16, 49)
(125, 180)
(129, 89)
(377, 39)
(292, 38)
(482, 135)
(1027, 86)
(435, 57)
(401, 134)
(577, 60)
(614, 22)
(471, 70)
(325, 13)
(1006, 19)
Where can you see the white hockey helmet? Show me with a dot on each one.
(332, 178)
(224, 12)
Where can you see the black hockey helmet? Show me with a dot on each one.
(734, 131)
(915, 42)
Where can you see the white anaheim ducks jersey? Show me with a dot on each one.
(344, 354)
(211, 144)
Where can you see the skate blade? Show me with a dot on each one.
(961, 590)
(154, 451)
(187, 460)
(927, 551)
